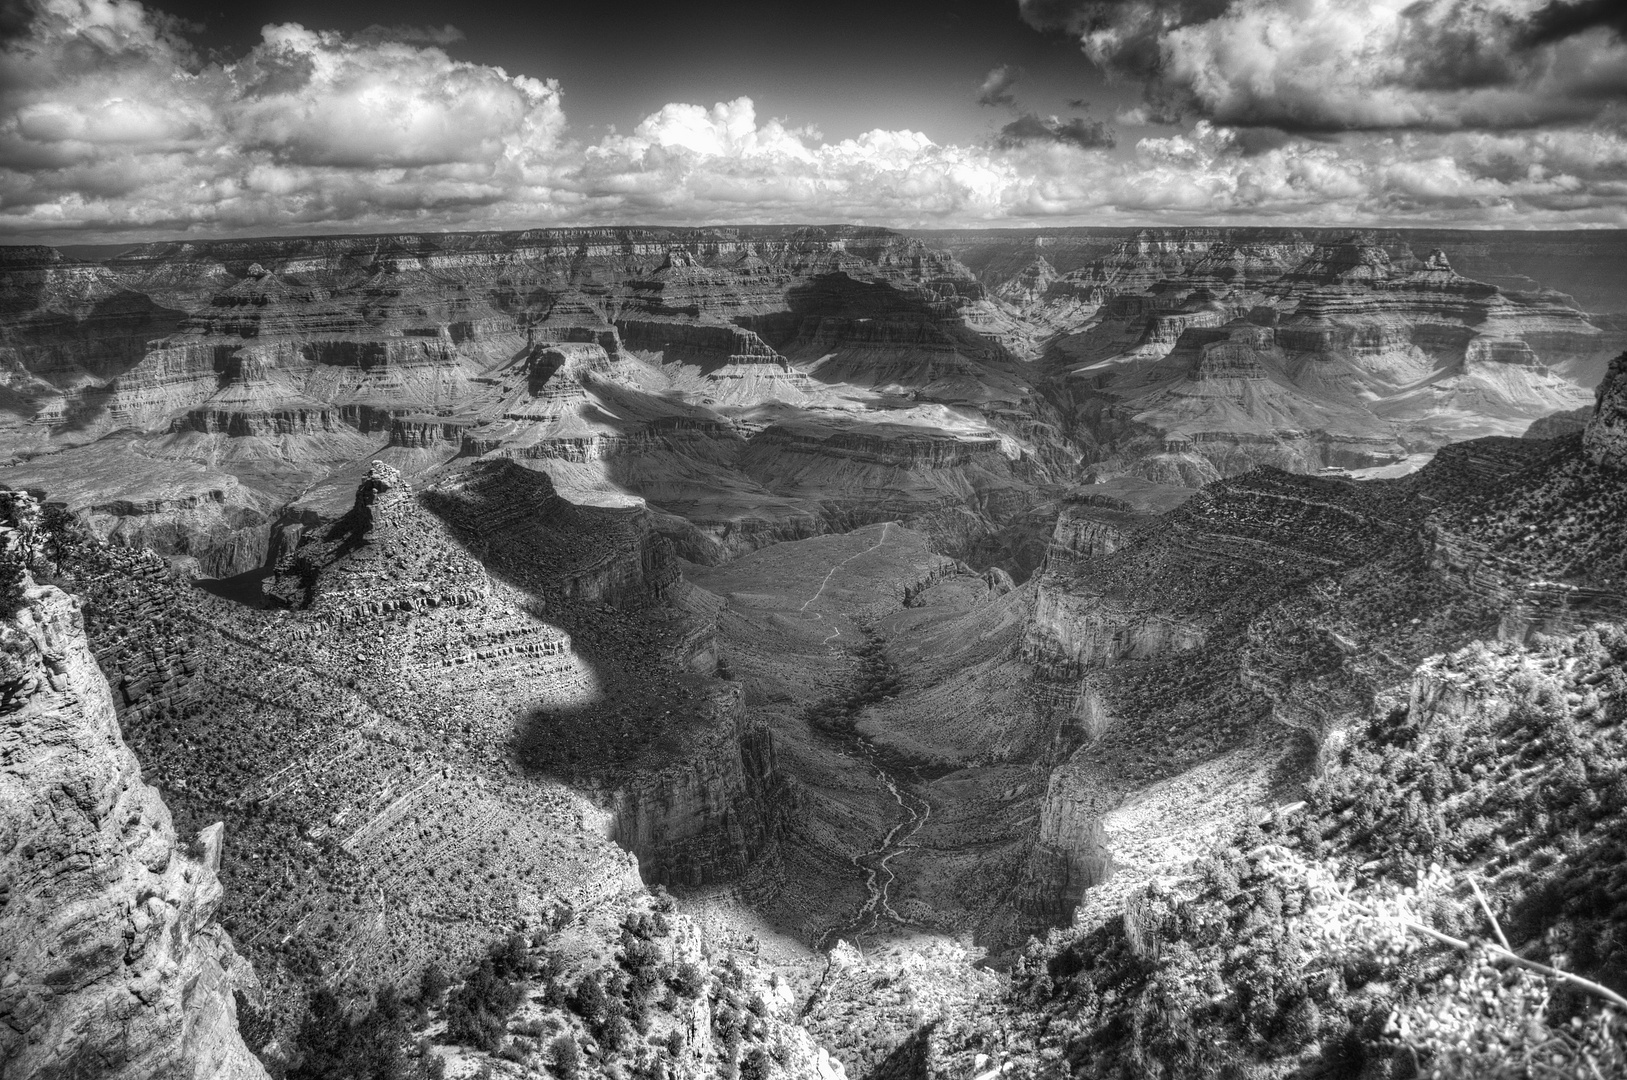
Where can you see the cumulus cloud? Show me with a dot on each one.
(1344, 65)
(1000, 86)
(111, 126)
(1077, 131)
(107, 114)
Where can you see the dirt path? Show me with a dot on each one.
(818, 617)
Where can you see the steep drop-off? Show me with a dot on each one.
(115, 963)
(467, 706)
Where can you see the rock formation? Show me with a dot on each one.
(847, 583)
(623, 363)
(192, 398)
(1305, 356)
(443, 675)
(1606, 438)
(115, 964)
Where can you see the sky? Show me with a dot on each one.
(122, 121)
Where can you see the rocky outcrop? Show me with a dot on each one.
(1361, 353)
(1071, 632)
(715, 817)
(115, 966)
(1557, 425)
(1605, 440)
(1069, 857)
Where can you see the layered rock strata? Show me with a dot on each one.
(447, 674)
(115, 963)
(624, 363)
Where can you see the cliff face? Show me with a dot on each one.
(1350, 351)
(1313, 600)
(621, 362)
(1606, 435)
(115, 964)
(717, 816)
(1180, 653)
(263, 374)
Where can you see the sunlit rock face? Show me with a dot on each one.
(195, 398)
(254, 379)
(1369, 348)
(116, 965)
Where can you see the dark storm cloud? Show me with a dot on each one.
(1261, 140)
(1312, 66)
(1000, 86)
(1076, 131)
(1561, 19)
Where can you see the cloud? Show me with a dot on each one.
(416, 35)
(1085, 134)
(1000, 86)
(1351, 65)
(112, 127)
(1560, 19)
(108, 115)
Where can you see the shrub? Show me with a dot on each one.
(589, 1000)
(567, 1058)
(756, 1065)
(432, 986)
(688, 980)
(477, 1012)
(329, 1046)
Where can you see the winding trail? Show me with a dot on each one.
(818, 617)
(879, 875)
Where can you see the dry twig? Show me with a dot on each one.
(1484, 906)
(1498, 952)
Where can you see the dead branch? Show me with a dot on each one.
(1501, 953)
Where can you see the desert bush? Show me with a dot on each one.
(477, 1012)
(567, 1058)
(432, 986)
(329, 1045)
(688, 980)
(1295, 940)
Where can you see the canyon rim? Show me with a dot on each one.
(1036, 539)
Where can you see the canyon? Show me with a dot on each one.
(889, 600)
(759, 384)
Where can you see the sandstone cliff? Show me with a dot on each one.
(115, 965)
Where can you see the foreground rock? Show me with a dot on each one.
(115, 965)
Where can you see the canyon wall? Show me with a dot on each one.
(716, 816)
(1605, 441)
(625, 363)
(116, 966)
